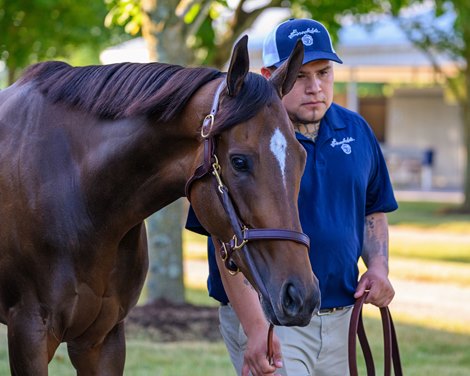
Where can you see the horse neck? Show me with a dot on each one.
(140, 166)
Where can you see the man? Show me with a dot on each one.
(344, 195)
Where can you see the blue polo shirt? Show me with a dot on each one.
(345, 179)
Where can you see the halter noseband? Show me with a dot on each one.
(242, 234)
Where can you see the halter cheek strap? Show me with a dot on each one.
(209, 143)
(242, 234)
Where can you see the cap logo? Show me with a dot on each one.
(294, 33)
(307, 40)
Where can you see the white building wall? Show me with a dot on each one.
(419, 119)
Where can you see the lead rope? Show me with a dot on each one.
(391, 350)
(270, 352)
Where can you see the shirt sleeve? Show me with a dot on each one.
(193, 224)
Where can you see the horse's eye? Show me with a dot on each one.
(239, 163)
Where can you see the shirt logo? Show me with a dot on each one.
(344, 144)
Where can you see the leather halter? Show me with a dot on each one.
(242, 234)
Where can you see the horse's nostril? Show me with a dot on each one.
(292, 300)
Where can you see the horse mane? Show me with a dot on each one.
(116, 91)
(121, 90)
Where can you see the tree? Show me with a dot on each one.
(35, 30)
(451, 39)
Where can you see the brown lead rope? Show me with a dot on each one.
(391, 351)
(270, 353)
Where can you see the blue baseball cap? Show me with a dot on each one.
(280, 42)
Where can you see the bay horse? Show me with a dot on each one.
(88, 153)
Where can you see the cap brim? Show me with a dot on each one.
(316, 55)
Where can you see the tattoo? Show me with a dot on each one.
(375, 239)
(309, 130)
(370, 223)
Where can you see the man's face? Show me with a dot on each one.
(312, 93)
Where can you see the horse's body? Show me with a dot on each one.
(85, 159)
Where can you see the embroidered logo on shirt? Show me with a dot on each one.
(344, 144)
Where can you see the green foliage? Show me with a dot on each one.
(35, 30)
(125, 13)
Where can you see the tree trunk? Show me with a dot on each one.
(165, 277)
(164, 35)
(465, 105)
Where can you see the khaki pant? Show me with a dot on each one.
(319, 349)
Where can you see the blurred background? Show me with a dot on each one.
(405, 71)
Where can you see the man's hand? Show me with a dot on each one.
(381, 291)
(256, 359)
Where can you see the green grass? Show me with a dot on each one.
(434, 249)
(200, 297)
(430, 216)
(425, 230)
(194, 245)
(424, 352)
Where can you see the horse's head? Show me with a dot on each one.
(256, 188)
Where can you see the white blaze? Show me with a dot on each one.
(278, 147)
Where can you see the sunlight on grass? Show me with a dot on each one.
(429, 215)
(428, 271)
(440, 324)
(194, 246)
(430, 249)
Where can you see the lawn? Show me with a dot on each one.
(424, 350)
(433, 216)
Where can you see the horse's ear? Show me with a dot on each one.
(239, 66)
(284, 77)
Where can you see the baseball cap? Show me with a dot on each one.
(280, 42)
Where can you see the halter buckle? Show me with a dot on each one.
(230, 265)
(237, 246)
(207, 124)
(216, 172)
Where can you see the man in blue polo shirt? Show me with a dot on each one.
(344, 194)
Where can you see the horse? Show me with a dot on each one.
(88, 153)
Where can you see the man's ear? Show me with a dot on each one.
(266, 73)
(285, 76)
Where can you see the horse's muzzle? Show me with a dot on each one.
(295, 305)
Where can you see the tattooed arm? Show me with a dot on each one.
(375, 256)
(245, 302)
